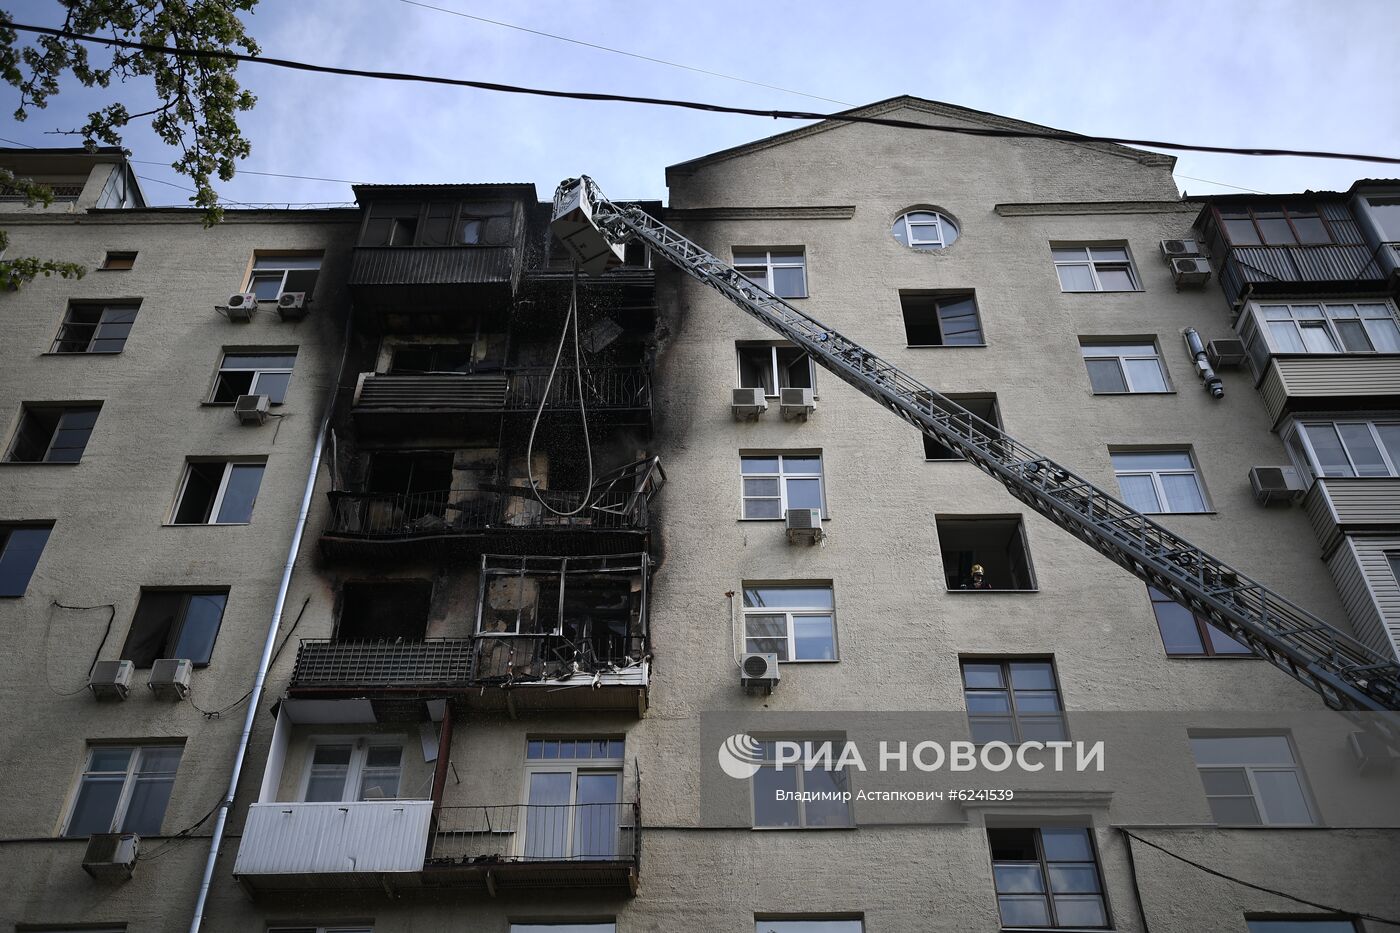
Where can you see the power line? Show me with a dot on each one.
(245, 171)
(645, 58)
(15, 142)
(1055, 135)
(1222, 184)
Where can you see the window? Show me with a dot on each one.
(608, 927)
(1127, 366)
(1047, 877)
(89, 328)
(1105, 268)
(124, 789)
(256, 372)
(574, 808)
(1187, 635)
(925, 230)
(771, 367)
(52, 433)
(20, 547)
(354, 768)
(1013, 701)
(811, 925)
(983, 406)
(774, 483)
(218, 492)
(1252, 780)
(1302, 925)
(779, 795)
(795, 622)
(431, 358)
(174, 624)
(1393, 559)
(1325, 327)
(1385, 211)
(1159, 481)
(783, 271)
(1274, 225)
(118, 262)
(996, 544)
(385, 611)
(274, 275)
(941, 320)
(1346, 448)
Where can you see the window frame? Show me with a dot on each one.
(1305, 791)
(743, 258)
(781, 476)
(1128, 265)
(769, 746)
(360, 747)
(575, 766)
(286, 270)
(1256, 328)
(1088, 344)
(1296, 434)
(939, 299)
(7, 530)
(118, 256)
(217, 503)
(223, 367)
(1043, 864)
(103, 309)
(1013, 713)
(1253, 218)
(790, 614)
(775, 368)
(1155, 473)
(760, 919)
(64, 409)
(177, 627)
(129, 781)
(1204, 630)
(1270, 919)
(961, 398)
(941, 219)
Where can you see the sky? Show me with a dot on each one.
(1301, 74)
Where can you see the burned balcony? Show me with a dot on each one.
(562, 633)
(326, 666)
(511, 518)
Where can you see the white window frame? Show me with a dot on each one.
(573, 767)
(1255, 327)
(1093, 265)
(360, 746)
(254, 272)
(791, 614)
(781, 476)
(1087, 351)
(1295, 434)
(1157, 474)
(940, 219)
(128, 782)
(774, 368)
(257, 372)
(749, 253)
(218, 495)
(1250, 770)
(801, 771)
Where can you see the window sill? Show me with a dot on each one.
(1213, 657)
(83, 353)
(801, 829)
(39, 463)
(1121, 394)
(231, 404)
(945, 346)
(825, 518)
(1206, 512)
(203, 524)
(812, 661)
(1103, 291)
(961, 591)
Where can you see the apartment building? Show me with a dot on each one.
(494, 702)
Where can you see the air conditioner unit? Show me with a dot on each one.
(1226, 352)
(170, 678)
(111, 856)
(1372, 755)
(252, 409)
(759, 672)
(796, 403)
(1275, 484)
(240, 307)
(1184, 247)
(292, 305)
(111, 680)
(1190, 270)
(748, 404)
(804, 525)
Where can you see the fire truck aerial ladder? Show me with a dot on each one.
(1349, 675)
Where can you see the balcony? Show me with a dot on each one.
(578, 672)
(1318, 381)
(432, 666)
(1259, 271)
(510, 518)
(1340, 506)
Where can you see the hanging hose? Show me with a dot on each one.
(570, 319)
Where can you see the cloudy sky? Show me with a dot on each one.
(1278, 73)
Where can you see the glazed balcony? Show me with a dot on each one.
(561, 672)
(1338, 506)
(1338, 381)
(1260, 271)
(360, 667)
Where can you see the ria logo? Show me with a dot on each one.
(740, 756)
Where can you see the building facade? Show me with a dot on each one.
(493, 703)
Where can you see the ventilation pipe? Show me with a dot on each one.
(1197, 349)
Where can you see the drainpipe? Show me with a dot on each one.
(1214, 385)
(265, 661)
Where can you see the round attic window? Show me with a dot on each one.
(925, 229)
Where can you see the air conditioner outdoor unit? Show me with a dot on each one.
(804, 525)
(170, 678)
(292, 305)
(796, 403)
(1184, 247)
(759, 672)
(748, 404)
(111, 680)
(240, 306)
(1190, 270)
(111, 856)
(1372, 755)
(252, 409)
(1275, 484)
(1226, 352)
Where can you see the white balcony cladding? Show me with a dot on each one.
(1369, 590)
(1292, 378)
(372, 836)
(1339, 506)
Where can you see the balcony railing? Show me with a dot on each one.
(1276, 269)
(526, 833)
(435, 663)
(604, 388)
(592, 657)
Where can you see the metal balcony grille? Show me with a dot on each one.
(604, 387)
(434, 663)
(538, 833)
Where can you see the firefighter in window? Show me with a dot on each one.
(977, 580)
